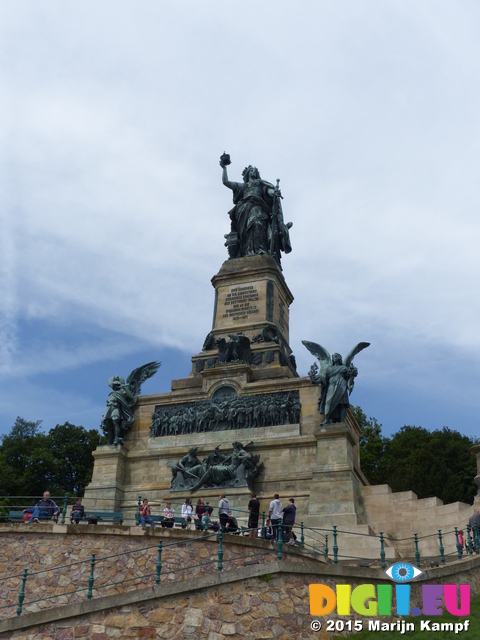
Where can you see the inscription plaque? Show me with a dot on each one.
(238, 303)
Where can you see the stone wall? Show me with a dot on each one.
(45, 547)
(251, 603)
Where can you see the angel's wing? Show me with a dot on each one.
(360, 347)
(319, 352)
(135, 379)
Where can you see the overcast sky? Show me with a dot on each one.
(112, 118)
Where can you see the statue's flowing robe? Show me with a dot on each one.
(334, 389)
(119, 407)
(252, 220)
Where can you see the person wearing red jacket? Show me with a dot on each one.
(145, 515)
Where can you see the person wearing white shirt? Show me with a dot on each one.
(187, 510)
(275, 514)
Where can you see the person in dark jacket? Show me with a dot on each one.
(289, 513)
(78, 511)
(45, 508)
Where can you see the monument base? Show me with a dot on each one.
(249, 393)
(106, 491)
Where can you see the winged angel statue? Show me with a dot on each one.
(118, 416)
(337, 380)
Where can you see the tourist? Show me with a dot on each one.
(231, 524)
(474, 522)
(78, 511)
(461, 540)
(289, 513)
(223, 509)
(146, 515)
(200, 509)
(45, 509)
(187, 511)
(275, 514)
(168, 516)
(214, 526)
(254, 513)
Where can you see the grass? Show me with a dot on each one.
(473, 631)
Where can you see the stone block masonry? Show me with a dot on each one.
(258, 601)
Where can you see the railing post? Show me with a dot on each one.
(302, 535)
(469, 538)
(459, 546)
(382, 550)
(206, 517)
(64, 512)
(220, 550)
(335, 546)
(326, 546)
(159, 562)
(21, 596)
(417, 552)
(137, 514)
(91, 578)
(442, 550)
(264, 531)
(476, 537)
(279, 540)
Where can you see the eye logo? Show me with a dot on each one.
(402, 572)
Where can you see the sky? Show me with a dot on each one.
(113, 116)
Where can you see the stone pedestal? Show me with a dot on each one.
(106, 491)
(250, 293)
(336, 478)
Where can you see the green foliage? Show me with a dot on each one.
(32, 461)
(266, 577)
(429, 463)
(372, 446)
(4, 507)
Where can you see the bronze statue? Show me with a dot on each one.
(257, 225)
(237, 349)
(187, 471)
(118, 416)
(337, 380)
(226, 471)
(216, 470)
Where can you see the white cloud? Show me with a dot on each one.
(113, 212)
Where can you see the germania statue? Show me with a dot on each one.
(257, 225)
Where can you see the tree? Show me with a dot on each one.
(438, 463)
(32, 461)
(372, 446)
(430, 463)
(21, 472)
(72, 461)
